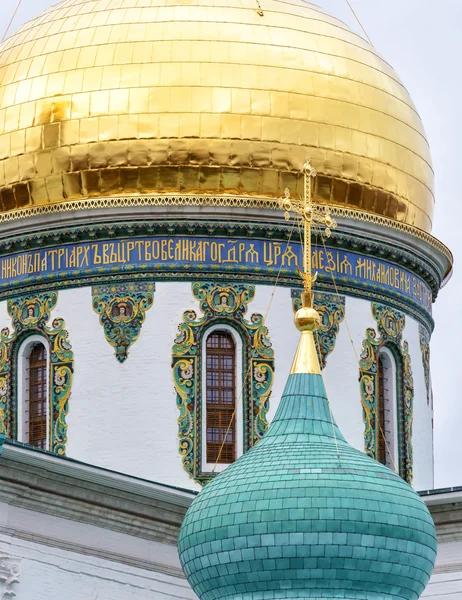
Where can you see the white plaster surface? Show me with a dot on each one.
(446, 582)
(60, 558)
(342, 372)
(422, 426)
(124, 416)
(444, 586)
(50, 573)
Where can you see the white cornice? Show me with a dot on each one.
(40, 482)
(82, 472)
(436, 498)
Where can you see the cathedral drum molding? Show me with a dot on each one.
(389, 238)
(244, 204)
(30, 316)
(390, 325)
(220, 305)
(122, 309)
(248, 252)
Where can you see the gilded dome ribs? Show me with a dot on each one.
(98, 99)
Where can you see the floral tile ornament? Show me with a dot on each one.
(122, 310)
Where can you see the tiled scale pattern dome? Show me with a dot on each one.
(304, 515)
(108, 98)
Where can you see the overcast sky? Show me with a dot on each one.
(421, 39)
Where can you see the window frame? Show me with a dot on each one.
(187, 369)
(392, 400)
(23, 390)
(390, 328)
(239, 382)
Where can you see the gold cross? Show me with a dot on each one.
(312, 216)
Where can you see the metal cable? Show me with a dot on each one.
(11, 21)
(246, 376)
(357, 360)
(318, 338)
(360, 24)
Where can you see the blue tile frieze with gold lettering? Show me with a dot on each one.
(191, 254)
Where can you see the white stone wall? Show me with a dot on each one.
(422, 426)
(446, 581)
(47, 570)
(444, 586)
(124, 416)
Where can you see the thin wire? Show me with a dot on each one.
(249, 367)
(360, 24)
(318, 338)
(357, 360)
(11, 21)
(330, 413)
(318, 346)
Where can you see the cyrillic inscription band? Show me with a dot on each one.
(238, 255)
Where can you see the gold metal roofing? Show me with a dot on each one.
(104, 98)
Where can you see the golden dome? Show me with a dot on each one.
(104, 98)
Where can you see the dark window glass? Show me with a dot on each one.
(381, 452)
(386, 436)
(221, 398)
(38, 397)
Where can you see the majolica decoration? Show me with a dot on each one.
(424, 336)
(331, 309)
(220, 304)
(171, 250)
(122, 309)
(390, 325)
(30, 316)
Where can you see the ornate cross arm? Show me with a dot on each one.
(311, 216)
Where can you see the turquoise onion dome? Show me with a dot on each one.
(304, 515)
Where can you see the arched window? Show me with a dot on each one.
(387, 391)
(220, 398)
(387, 409)
(33, 394)
(38, 396)
(223, 371)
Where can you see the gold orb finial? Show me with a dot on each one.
(307, 318)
